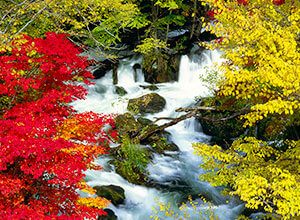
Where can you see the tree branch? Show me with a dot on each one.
(192, 112)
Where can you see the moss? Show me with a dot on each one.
(127, 125)
(150, 103)
(120, 90)
(111, 192)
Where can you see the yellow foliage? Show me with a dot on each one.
(261, 41)
(205, 211)
(261, 175)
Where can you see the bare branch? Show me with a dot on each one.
(192, 112)
(199, 108)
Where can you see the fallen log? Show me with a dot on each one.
(143, 134)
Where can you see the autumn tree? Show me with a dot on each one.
(45, 145)
(260, 41)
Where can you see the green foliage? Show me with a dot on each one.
(150, 45)
(211, 78)
(133, 162)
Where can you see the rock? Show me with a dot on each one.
(104, 67)
(115, 75)
(166, 69)
(115, 194)
(144, 121)
(172, 147)
(135, 67)
(126, 124)
(120, 90)
(110, 215)
(150, 87)
(150, 103)
(222, 132)
(132, 173)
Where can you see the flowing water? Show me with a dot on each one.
(177, 173)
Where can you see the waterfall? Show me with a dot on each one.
(178, 171)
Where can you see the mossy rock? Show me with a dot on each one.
(120, 90)
(150, 87)
(115, 194)
(166, 68)
(221, 131)
(126, 124)
(110, 215)
(161, 146)
(150, 103)
(172, 147)
(144, 121)
(130, 173)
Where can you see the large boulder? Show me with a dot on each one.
(115, 194)
(127, 125)
(222, 131)
(150, 103)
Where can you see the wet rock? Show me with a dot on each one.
(172, 147)
(150, 87)
(135, 67)
(127, 125)
(165, 69)
(104, 67)
(110, 215)
(120, 90)
(222, 132)
(144, 121)
(150, 103)
(115, 194)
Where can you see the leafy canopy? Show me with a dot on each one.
(98, 22)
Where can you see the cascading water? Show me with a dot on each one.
(177, 171)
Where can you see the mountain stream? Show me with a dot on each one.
(178, 171)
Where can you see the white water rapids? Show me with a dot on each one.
(178, 171)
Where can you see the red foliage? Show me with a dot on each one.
(243, 2)
(40, 174)
(278, 2)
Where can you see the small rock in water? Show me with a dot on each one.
(150, 87)
(120, 90)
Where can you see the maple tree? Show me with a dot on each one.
(45, 144)
(260, 40)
